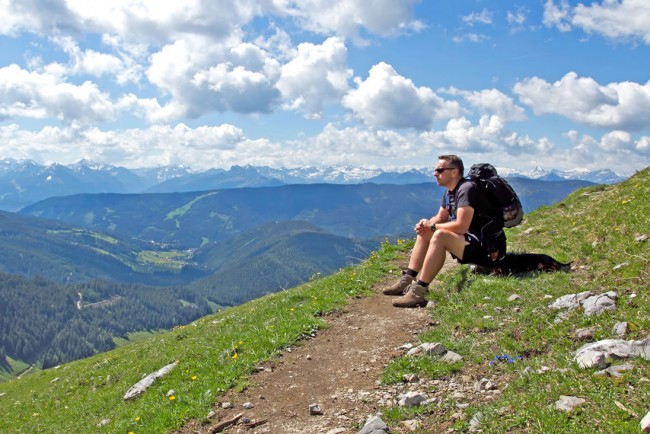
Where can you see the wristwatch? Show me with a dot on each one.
(433, 227)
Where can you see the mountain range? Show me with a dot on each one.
(24, 182)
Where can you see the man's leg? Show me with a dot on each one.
(418, 255)
(434, 259)
(441, 243)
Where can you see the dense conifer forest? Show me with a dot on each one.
(46, 323)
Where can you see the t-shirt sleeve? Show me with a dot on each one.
(467, 195)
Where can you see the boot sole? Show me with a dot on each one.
(393, 293)
(420, 304)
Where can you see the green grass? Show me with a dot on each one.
(172, 260)
(181, 211)
(594, 228)
(214, 354)
(86, 233)
(13, 368)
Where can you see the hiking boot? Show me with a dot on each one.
(415, 296)
(399, 288)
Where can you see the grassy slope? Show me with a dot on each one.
(596, 229)
(217, 352)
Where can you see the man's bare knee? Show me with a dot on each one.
(440, 238)
(450, 241)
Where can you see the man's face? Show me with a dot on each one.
(444, 173)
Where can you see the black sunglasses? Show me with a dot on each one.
(442, 169)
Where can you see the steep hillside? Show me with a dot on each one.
(273, 257)
(44, 324)
(602, 230)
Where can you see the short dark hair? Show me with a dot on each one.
(454, 161)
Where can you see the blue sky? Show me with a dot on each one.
(380, 84)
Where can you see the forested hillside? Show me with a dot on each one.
(43, 322)
(273, 257)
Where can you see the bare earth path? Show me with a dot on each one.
(335, 369)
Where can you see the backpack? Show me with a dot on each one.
(485, 176)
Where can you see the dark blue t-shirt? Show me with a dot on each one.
(467, 193)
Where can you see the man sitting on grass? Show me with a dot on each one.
(458, 228)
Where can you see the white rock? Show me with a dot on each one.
(433, 349)
(615, 371)
(585, 334)
(620, 328)
(570, 301)
(412, 425)
(514, 297)
(475, 422)
(645, 423)
(451, 357)
(618, 348)
(598, 304)
(484, 384)
(591, 359)
(411, 399)
(374, 424)
(142, 385)
(568, 403)
(414, 351)
(411, 378)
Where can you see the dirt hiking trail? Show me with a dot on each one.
(336, 369)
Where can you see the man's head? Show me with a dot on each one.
(449, 170)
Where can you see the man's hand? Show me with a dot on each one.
(423, 226)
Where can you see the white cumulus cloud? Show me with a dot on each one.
(613, 19)
(317, 75)
(40, 95)
(623, 105)
(348, 17)
(388, 100)
(492, 101)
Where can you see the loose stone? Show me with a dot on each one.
(569, 403)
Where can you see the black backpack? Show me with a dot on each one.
(499, 192)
